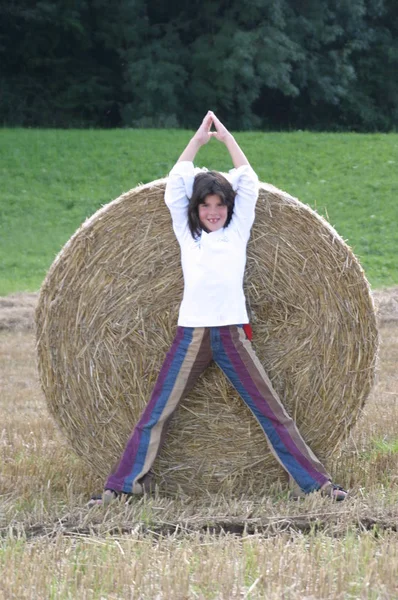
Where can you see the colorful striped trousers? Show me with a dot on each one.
(191, 352)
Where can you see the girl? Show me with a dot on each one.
(212, 216)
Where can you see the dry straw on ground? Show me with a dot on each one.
(107, 313)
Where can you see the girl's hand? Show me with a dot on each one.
(203, 135)
(221, 133)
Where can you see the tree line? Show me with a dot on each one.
(271, 64)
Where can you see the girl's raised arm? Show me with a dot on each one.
(201, 137)
(223, 135)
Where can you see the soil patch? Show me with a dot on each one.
(17, 312)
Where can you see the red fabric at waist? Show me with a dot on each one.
(247, 328)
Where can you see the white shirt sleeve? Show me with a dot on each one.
(245, 183)
(178, 191)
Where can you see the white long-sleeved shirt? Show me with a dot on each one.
(213, 265)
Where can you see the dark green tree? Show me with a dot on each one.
(154, 66)
(57, 66)
(322, 64)
(336, 38)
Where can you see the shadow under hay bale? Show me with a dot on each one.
(107, 314)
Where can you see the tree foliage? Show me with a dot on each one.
(321, 64)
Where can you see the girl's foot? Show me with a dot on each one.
(106, 498)
(333, 491)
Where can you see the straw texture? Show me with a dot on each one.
(107, 313)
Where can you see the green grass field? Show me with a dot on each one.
(51, 180)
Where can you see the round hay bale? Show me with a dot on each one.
(107, 314)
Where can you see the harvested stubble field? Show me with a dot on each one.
(176, 547)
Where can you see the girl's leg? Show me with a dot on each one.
(187, 358)
(234, 354)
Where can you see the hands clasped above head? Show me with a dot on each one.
(204, 133)
(221, 133)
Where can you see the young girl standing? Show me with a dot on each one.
(212, 217)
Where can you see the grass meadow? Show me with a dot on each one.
(161, 547)
(50, 181)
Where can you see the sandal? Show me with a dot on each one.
(108, 495)
(104, 499)
(334, 492)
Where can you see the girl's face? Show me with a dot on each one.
(212, 213)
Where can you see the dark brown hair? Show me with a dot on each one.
(206, 184)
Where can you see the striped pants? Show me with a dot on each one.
(191, 352)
